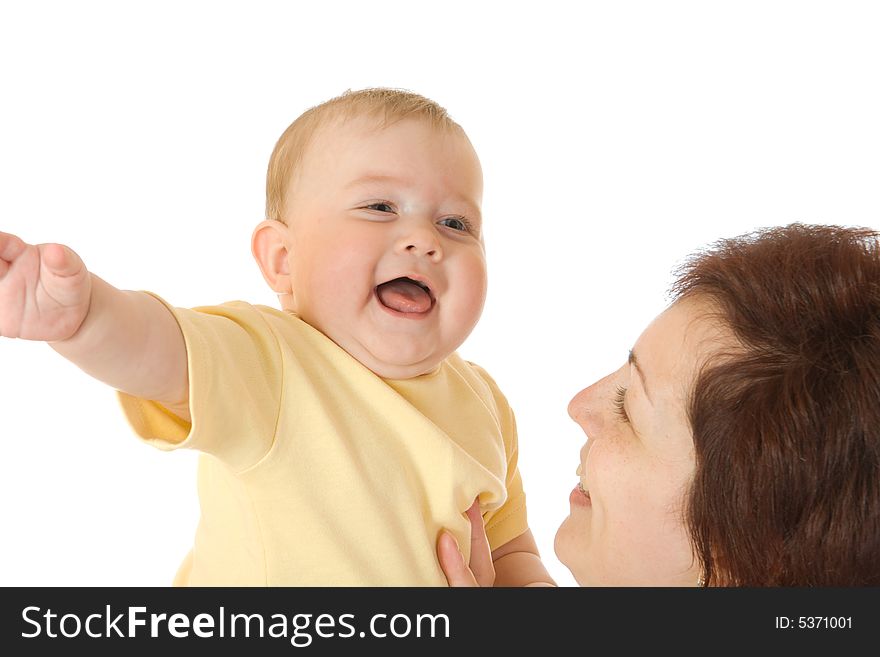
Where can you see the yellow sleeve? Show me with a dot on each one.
(234, 368)
(510, 519)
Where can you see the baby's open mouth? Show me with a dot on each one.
(405, 295)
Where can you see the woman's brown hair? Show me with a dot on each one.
(786, 425)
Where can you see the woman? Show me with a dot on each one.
(740, 443)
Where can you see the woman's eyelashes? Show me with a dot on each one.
(618, 401)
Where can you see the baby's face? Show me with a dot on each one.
(385, 249)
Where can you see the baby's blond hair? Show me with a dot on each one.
(387, 105)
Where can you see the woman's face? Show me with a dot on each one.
(627, 528)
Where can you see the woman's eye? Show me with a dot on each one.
(456, 223)
(619, 398)
(380, 207)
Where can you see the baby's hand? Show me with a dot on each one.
(44, 290)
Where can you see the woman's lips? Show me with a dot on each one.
(579, 497)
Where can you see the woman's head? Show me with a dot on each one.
(627, 524)
(752, 456)
(787, 428)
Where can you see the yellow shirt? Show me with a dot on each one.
(315, 471)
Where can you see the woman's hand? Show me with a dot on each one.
(480, 571)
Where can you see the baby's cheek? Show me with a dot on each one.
(472, 282)
(340, 270)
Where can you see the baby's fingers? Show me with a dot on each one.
(10, 248)
(60, 261)
(63, 279)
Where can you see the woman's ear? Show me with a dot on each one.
(269, 244)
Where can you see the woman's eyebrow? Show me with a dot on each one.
(635, 363)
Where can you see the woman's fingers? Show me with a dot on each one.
(452, 562)
(480, 571)
(481, 556)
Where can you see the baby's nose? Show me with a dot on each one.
(420, 242)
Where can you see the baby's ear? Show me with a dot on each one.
(269, 246)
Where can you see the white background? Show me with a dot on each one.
(616, 137)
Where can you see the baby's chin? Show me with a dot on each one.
(394, 359)
(397, 368)
(395, 356)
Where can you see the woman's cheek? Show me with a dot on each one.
(601, 468)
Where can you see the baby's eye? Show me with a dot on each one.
(619, 397)
(380, 206)
(456, 223)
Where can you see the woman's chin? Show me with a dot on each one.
(564, 544)
(571, 547)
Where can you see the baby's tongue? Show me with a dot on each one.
(404, 296)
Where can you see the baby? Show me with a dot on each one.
(340, 434)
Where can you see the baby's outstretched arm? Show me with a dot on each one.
(128, 340)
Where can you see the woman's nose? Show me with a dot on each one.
(579, 406)
(420, 241)
(587, 408)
